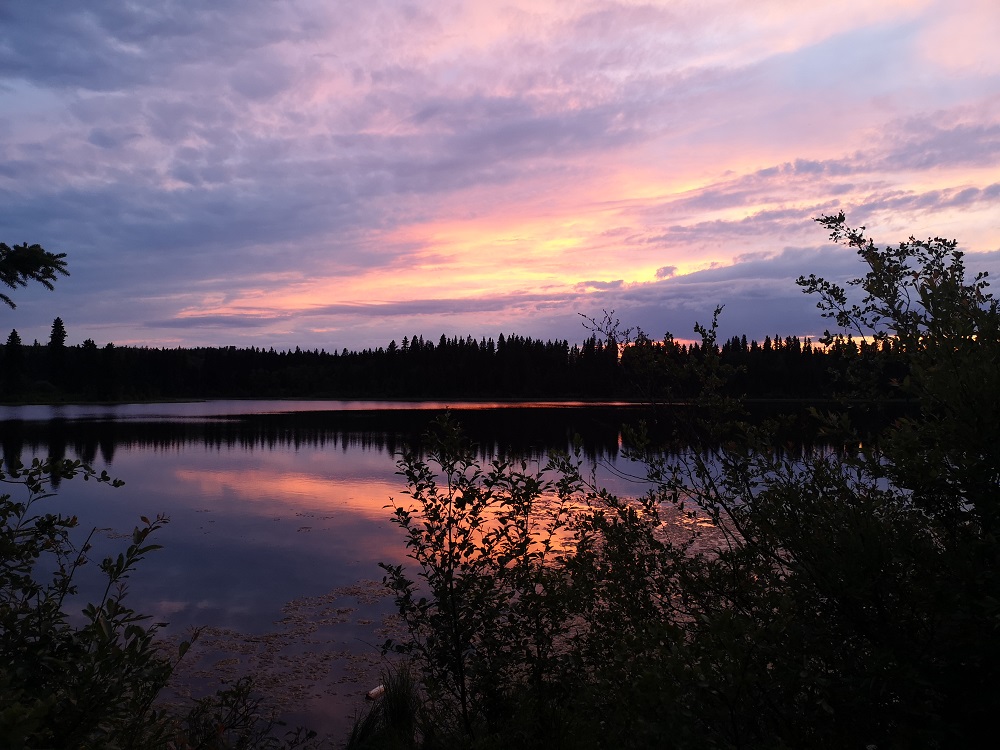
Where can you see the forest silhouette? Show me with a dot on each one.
(512, 367)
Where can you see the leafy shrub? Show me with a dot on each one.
(66, 684)
(486, 612)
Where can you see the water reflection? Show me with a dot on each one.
(515, 429)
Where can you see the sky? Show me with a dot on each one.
(341, 174)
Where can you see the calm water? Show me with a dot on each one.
(277, 522)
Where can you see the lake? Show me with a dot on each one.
(278, 521)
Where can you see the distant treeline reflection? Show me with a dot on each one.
(598, 432)
(526, 432)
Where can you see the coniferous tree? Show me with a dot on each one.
(13, 363)
(57, 353)
(23, 263)
(57, 339)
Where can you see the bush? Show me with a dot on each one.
(66, 684)
(488, 607)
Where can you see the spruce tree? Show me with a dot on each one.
(57, 340)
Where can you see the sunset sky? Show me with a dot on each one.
(339, 174)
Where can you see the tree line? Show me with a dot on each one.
(605, 366)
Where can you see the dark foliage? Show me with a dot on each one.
(23, 263)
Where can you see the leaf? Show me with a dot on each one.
(105, 627)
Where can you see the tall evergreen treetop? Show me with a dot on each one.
(57, 340)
